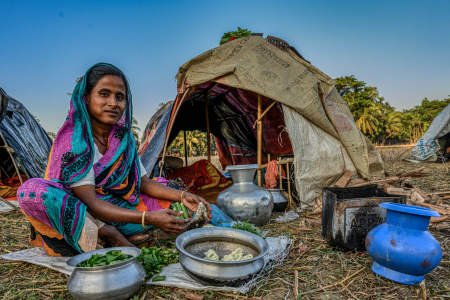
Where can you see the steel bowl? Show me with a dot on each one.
(117, 281)
(194, 243)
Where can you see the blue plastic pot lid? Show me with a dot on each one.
(410, 209)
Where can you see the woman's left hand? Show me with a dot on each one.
(191, 201)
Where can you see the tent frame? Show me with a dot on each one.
(10, 152)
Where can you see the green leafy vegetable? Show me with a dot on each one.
(236, 34)
(159, 278)
(153, 259)
(242, 225)
(109, 258)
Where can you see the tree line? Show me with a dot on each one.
(381, 122)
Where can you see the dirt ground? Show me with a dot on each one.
(323, 272)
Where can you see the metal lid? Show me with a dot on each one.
(241, 167)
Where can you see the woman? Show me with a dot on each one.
(95, 185)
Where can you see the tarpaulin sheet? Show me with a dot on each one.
(151, 152)
(26, 137)
(427, 146)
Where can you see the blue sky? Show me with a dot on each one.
(401, 47)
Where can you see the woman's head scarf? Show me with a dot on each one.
(117, 173)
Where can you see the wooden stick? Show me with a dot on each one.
(389, 179)
(185, 149)
(8, 149)
(296, 284)
(345, 178)
(208, 129)
(438, 219)
(259, 140)
(439, 193)
(264, 113)
(291, 205)
(435, 207)
(279, 174)
(423, 290)
(396, 146)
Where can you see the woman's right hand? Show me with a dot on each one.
(165, 219)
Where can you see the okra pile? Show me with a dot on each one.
(110, 258)
(153, 259)
(178, 206)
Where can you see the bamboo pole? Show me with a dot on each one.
(8, 149)
(208, 129)
(259, 140)
(185, 149)
(288, 175)
(264, 113)
(279, 173)
(169, 129)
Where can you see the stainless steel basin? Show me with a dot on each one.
(194, 243)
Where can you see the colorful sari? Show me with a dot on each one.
(57, 217)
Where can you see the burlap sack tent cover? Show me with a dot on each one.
(325, 139)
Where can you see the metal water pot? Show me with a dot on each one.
(113, 282)
(244, 200)
(279, 200)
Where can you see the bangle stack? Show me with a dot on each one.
(143, 219)
(181, 197)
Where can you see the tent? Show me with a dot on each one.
(259, 97)
(436, 139)
(24, 144)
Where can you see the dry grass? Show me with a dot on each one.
(323, 272)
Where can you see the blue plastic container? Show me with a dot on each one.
(402, 249)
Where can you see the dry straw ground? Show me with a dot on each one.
(323, 272)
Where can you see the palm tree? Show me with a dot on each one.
(392, 125)
(368, 121)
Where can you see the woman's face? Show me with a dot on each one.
(107, 100)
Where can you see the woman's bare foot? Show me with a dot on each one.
(149, 238)
(113, 237)
(139, 237)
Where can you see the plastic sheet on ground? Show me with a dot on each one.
(39, 257)
(287, 217)
(4, 208)
(175, 275)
